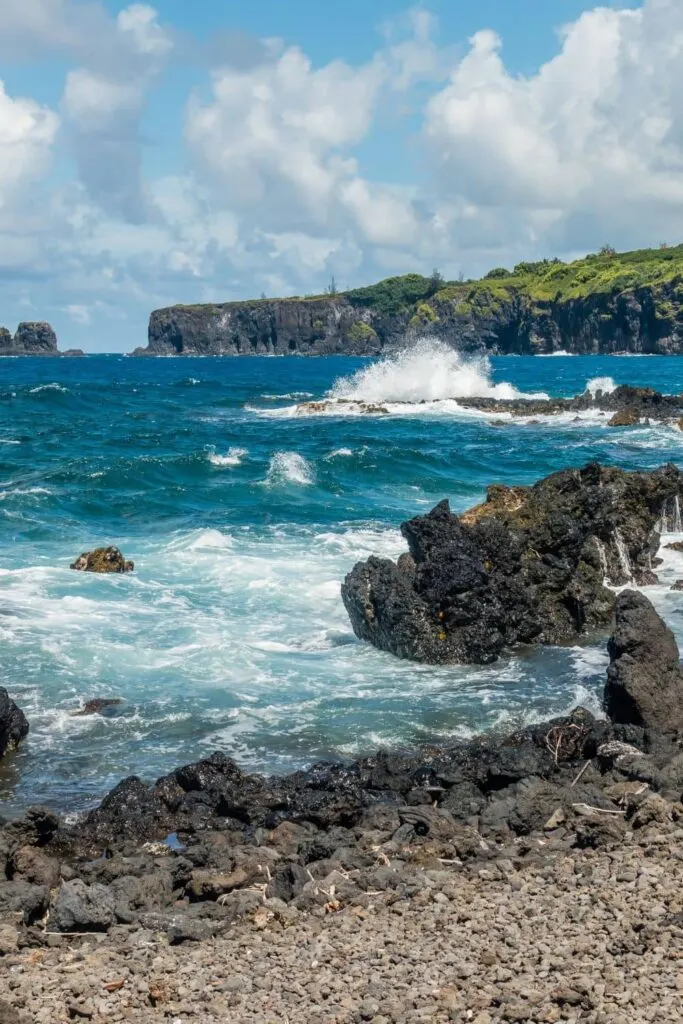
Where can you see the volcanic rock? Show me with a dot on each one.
(644, 678)
(13, 724)
(624, 418)
(97, 706)
(102, 560)
(527, 566)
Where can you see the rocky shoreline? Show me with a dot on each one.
(209, 843)
(327, 894)
(531, 877)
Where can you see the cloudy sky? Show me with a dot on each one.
(205, 150)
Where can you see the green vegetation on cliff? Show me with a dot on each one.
(607, 272)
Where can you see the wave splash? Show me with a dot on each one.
(289, 468)
(605, 384)
(233, 457)
(428, 371)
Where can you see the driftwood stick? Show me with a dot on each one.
(581, 773)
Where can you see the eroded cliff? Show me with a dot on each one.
(603, 304)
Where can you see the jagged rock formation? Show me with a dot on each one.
(626, 406)
(34, 338)
(630, 302)
(644, 678)
(13, 723)
(104, 560)
(527, 566)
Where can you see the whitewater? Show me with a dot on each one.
(242, 518)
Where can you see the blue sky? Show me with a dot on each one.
(154, 153)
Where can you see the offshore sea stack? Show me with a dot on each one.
(34, 338)
(527, 566)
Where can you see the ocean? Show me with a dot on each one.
(242, 516)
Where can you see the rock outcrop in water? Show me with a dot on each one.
(626, 406)
(527, 566)
(31, 339)
(13, 723)
(210, 843)
(103, 560)
(604, 304)
(645, 678)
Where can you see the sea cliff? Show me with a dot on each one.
(606, 303)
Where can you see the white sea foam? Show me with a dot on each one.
(54, 386)
(289, 468)
(425, 379)
(233, 457)
(15, 492)
(605, 384)
(428, 371)
(339, 453)
(8, 440)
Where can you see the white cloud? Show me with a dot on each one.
(274, 192)
(589, 146)
(27, 132)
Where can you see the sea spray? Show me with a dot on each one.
(622, 551)
(289, 468)
(233, 457)
(606, 385)
(428, 371)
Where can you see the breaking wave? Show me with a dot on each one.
(429, 371)
(233, 457)
(605, 384)
(289, 468)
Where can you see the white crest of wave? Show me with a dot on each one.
(605, 384)
(233, 457)
(428, 371)
(289, 468)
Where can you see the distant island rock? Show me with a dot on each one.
(32, 338)
(606, 303)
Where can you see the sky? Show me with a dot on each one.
(213, 150)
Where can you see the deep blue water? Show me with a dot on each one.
(242, 516)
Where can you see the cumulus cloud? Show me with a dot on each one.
(273, 191)
(589, 147)
(27, 132)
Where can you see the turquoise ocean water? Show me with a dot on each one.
(242, 516)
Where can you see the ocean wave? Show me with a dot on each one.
(428, 371)
(233, 457)
(605, 384)
(289, 468)
(54, 386)
(339, 453)
(17, 492)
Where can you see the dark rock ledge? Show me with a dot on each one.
(527, 566)
(209, 843)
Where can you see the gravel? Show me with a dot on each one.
(582, 935)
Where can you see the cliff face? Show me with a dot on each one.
(35, 338)
(597, 324)
(603, 304)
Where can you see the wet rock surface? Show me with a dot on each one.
(645, 678)
(527, 566)
(627, 405)
(13, 723)
(535, 876)
(98, 706)
(103, 560)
